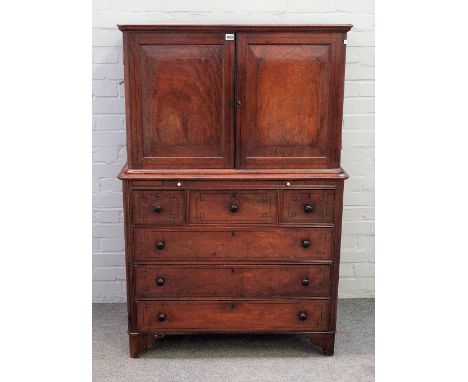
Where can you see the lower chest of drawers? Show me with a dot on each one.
(231, 256)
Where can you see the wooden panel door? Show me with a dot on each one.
(289, 100)
(180, 89)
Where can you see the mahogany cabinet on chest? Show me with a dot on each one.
(233, 190)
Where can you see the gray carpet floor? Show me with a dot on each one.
(212, 358)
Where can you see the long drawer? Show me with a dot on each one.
(247, 281)
(278, 244)
(233, 316)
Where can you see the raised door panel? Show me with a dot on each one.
(289, 96)
(181, 100)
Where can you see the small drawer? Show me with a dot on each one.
(307, 206)
(247, 281)
(292, 315)
(158, 207)
(233, 207)
(224, 244)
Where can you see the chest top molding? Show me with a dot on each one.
(239, 27)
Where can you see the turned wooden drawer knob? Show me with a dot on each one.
(306, 243)
(160, 281)
(302, 316)
(157, 209)
(160, 245)
(234, 208)
(162, 317)
(305, 281)
(308, 208)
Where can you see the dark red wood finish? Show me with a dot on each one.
(238, 281)
(158, 207)
(180, 103)
(179, 97)
(233, 193)
(307, 206)
(233, 244)
(233, 207)
(233, 316)
(263, 260)
(288, 93)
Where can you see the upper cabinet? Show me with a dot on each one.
(265, 97)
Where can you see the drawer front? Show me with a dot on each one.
(233, 316)
(233, 207)
(154, 281)
(158, 207)
(282, 244)
(312, 206)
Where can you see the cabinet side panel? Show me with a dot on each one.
(336, 250)
(128, 233)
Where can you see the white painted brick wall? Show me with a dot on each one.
(357, 268)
